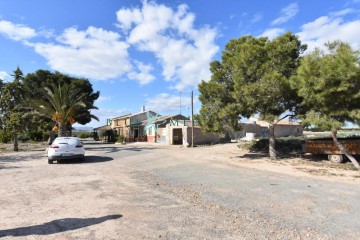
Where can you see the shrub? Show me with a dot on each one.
(107, 135)
(95, 136)
(5, 137)
(84, 135)
(120, 139)
(45, 136)
(284, 145)
(36, 136)
(101, 133)
(111, 135)
(23, 137)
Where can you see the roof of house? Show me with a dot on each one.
(129, 115)
(148, 111)
(122, 116)
(104, 127)
(163, 118)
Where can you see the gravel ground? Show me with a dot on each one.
(149, 191)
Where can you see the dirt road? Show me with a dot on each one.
(143, 191)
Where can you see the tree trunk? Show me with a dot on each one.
(52, 136)
(62, 130)
(343, 150)
(272, 150)
(16, 143)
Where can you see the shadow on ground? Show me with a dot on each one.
(56, 226)
(283, 156)
(88, 159)
(254, 156)
(19, 158)
(5, 167)
(117, 149)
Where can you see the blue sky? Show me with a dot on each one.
(148, 52)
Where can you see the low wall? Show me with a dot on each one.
(151, 138)
(200, 137)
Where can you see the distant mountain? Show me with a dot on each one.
(84, 128)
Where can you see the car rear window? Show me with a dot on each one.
(66, 140)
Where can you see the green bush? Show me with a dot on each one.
(23, 137)
(284, 145)
(110, 135)
(45, 136)
(101, 133)
(107, 135)
(5, 137)
(36, 136)
(84, 135)
(95, 136)
(120, 139)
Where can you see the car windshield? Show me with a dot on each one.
(70, 141)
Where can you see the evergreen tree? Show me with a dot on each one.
(12, 107)
(329, 83)
(253, 78)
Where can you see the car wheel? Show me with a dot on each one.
(50, 161)
(336, 158)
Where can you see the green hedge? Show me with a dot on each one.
(85, 134)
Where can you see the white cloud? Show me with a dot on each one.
(165, 102)
(103, 114)
(127, 17)
(183, 51)
(102, 99)
(272, 33)
(287, 13)
(257, 18)
(94, 53)
(342, 12)
(143, 76)
(5, 76)
(16, 32)
(330, 28)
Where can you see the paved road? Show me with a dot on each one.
(139, 191)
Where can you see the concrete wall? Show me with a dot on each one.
(161, 136)
(200, 137)
(251, 128)
(288, 130)
(150, 132)
(280, 130)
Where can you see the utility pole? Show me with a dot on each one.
(192, 118)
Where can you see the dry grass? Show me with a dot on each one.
(27, 146)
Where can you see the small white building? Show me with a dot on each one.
(283, 128)
(180, 133)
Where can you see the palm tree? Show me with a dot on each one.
(60, 105)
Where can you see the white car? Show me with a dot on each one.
(66, 148)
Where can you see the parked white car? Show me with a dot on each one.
(66, 148)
